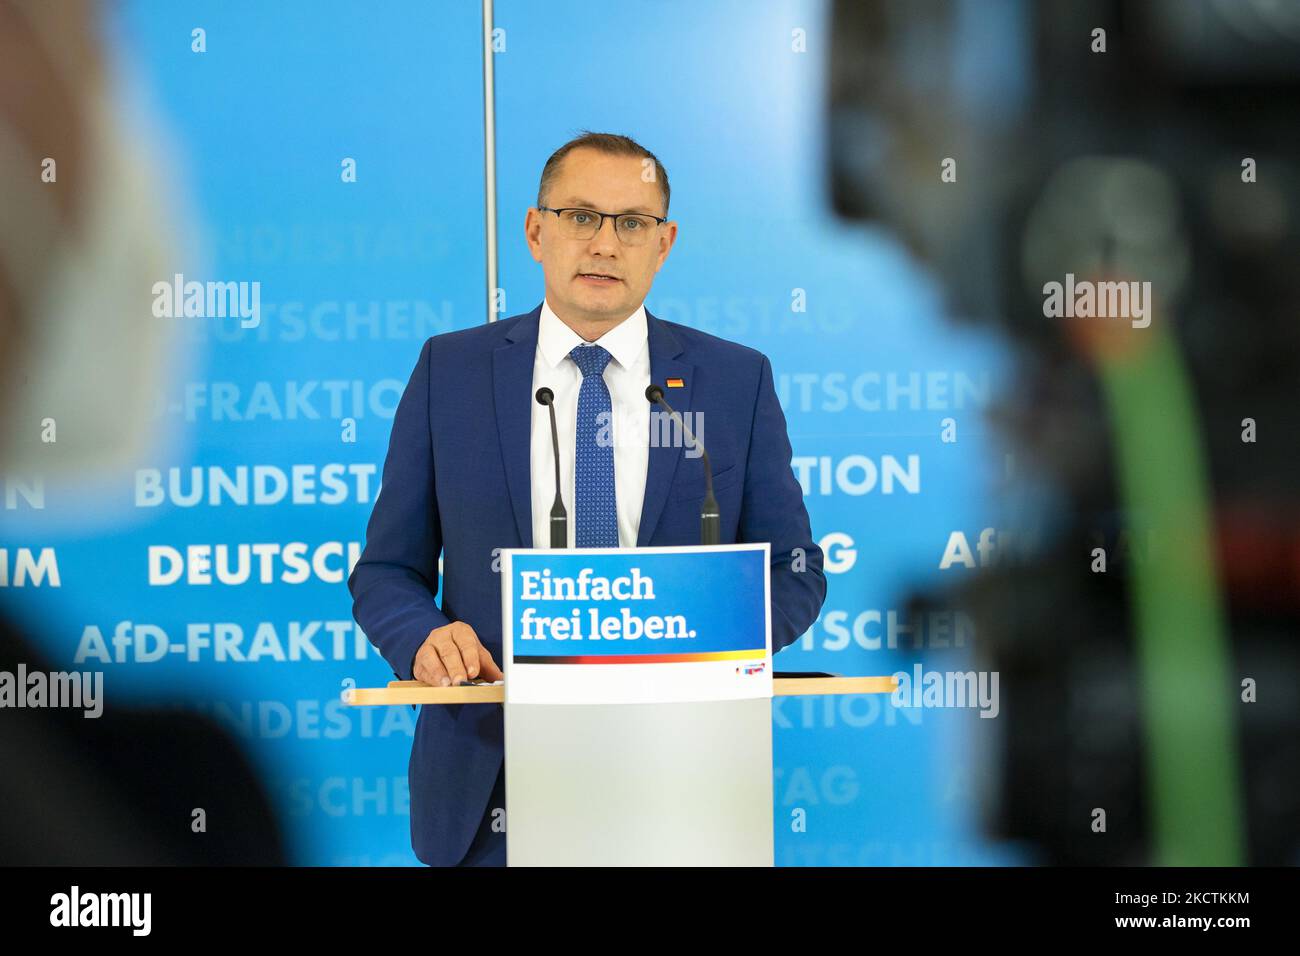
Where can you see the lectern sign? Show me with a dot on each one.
(636, 625)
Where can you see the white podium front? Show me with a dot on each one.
(638, 718)
(678, 784)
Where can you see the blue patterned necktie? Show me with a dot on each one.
(594, 502)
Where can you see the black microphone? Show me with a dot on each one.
(710, 519)
(559, 517)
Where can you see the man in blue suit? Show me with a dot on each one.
(470, 469)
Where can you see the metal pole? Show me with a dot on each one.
(490, 159)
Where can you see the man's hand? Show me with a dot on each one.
(453, 653)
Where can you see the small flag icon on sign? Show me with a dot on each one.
(676, 383)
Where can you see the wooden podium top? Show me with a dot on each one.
(415, 692)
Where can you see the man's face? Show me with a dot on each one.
(594, 180)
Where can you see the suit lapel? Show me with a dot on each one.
(665, 363)
(512, 386)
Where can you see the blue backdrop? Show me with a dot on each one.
(355, 275)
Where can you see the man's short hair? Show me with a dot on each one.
(611, 143)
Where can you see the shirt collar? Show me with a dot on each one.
(623, 342)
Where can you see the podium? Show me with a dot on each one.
(637, 697)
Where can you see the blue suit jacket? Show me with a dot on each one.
(457, 482)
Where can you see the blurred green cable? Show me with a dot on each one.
(1184, 660)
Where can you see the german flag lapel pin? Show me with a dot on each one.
(676, 383)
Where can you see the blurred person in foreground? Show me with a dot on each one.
(80, 245)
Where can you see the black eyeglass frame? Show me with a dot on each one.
(659, 220)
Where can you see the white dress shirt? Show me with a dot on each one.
(626, 376)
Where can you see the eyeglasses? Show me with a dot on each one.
(632, 229)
